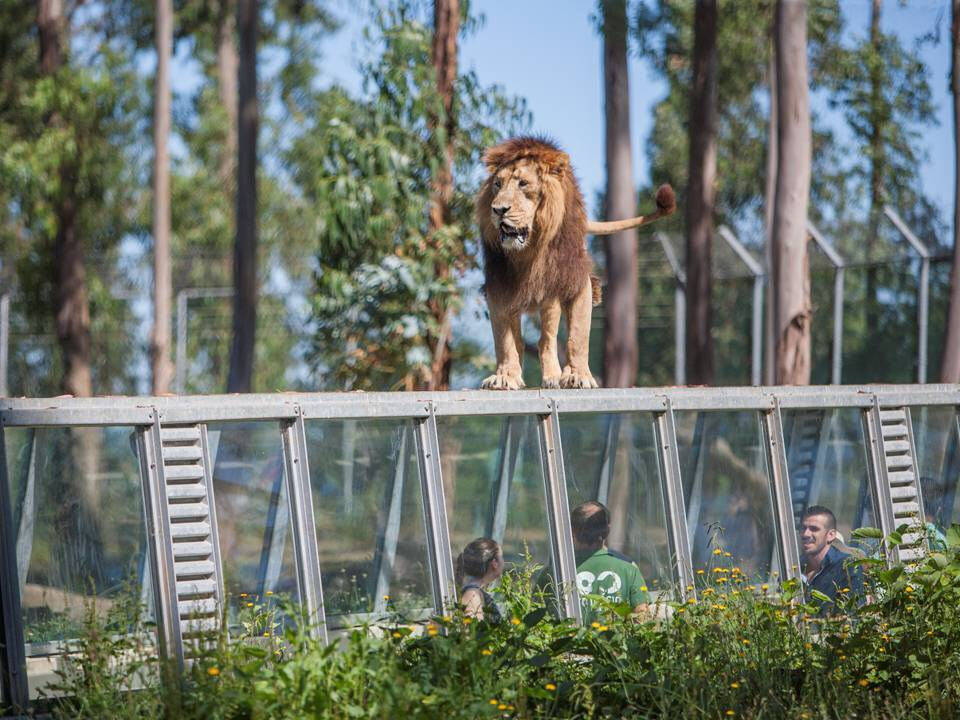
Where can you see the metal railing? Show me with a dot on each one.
(149, 416)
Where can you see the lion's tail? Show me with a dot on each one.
(596, 290)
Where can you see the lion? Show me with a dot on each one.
(534, 227)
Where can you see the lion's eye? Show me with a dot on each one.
(523, 183)
(496, 184)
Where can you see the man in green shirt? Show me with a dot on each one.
(601, 571)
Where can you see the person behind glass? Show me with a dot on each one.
(825, 569)
(600, 570)
(477, 568)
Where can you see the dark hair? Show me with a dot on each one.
(590, 522)
(821, 510)
(476, 558)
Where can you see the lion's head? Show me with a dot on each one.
(523, 201)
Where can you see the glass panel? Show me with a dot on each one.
(256, 549)
(936, 434)
(365, 481)
(726, 488)
(493, 483)
(80, 534)
(827, 462)
(613, 458)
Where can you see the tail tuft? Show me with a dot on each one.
(666, 199)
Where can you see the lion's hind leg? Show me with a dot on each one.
(576, 374)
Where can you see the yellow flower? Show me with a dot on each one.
(929, 633)
(386, 597)
(467, 621)
(494, 701)
(643, 588)
(269, 592)
(213, 671)
(718, 551)
(734, 685)
(721, 579)
(446, 618)
(726, 554)
(730, 713)
(719, 570)
(863, 682)
(692, 601)
(486, 651)
(398, 635)
(737, 570)
(746, 642)
(266, 633)
(432, 630)
(700, 572)
(764, 587)
(679, 610)
(689, 588)
(243, 594)
(501, 706)
(249, 604)
(515, 620)
(720, 606)
(602, 628)
(594, 624)
(550, 686)
(808, 646)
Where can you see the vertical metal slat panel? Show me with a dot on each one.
(780, 487)
(669, 455)
(13, 664)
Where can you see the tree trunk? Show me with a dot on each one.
(950, 363)
(620, 353)
(790, 262)
(227, 69)
(71, 307)
(240, 376)
(702, 192)
(446, 27)
(769, 335)
(162, 301)
(877, 165)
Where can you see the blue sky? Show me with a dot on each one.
(548, 52)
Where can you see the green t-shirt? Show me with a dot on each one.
(610, 575)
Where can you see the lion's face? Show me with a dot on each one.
(517, 190)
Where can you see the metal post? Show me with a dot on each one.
(28, 514)
(303, 526)
(274, 538)
(387, 546)
(672, 484)
(923, 290)
(159, 541)
(435, 512)
(183, 297)
(4, 343)
(511, 444)
(839, 269)
(610, 446)
(756, 335)
(780, 487)
(679, 309)
(558, 513)
(13, 664)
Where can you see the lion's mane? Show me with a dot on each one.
(557, 261)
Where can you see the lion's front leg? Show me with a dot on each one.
(506, 341)
(577, 374)
(549, 326)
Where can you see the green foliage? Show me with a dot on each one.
(365, 168)
(742, 650)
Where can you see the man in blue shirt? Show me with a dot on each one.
(825, 568)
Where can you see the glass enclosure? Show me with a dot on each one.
(365, 482)
(613, 458)
(727, 492)
(357, 505)
(80, 535)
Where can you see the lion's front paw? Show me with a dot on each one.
(551, 382)
(502, 381)
(577, 379)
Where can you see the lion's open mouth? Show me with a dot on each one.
(513, 237)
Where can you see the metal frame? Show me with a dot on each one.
(759, 277)
(923, 289)
(679, 308)
(422, 409)
(839, 271)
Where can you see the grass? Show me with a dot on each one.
(742, 650)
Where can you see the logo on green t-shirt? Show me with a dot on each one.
(612, 576)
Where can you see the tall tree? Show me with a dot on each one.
(225, 39)
(790, 262)
(160, 343)
(950, 364)
(446, 27)
(240, 377)
(620, 354)
(71, 308)
(701, 194)
(769, 192)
